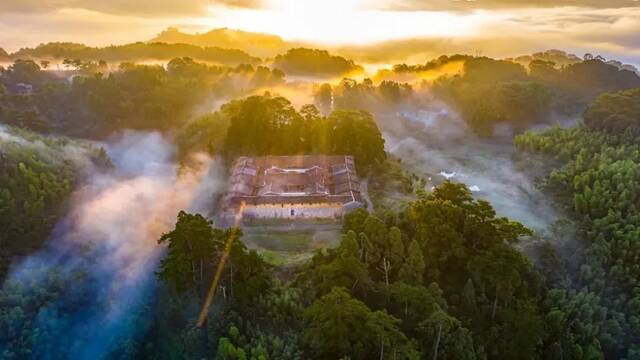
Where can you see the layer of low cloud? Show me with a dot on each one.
(466, 5)
(172, 8)
(125, 7)
(506, 28)
(109, 236)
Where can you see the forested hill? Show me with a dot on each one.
(439, 276)
(4, 56)
(37, 174)
(439, 279)
(135, 52)
(264, 45)
(314, 62)
(616, 113)
(270, 125)
(599, 183)
(515, 95)
(146, 97)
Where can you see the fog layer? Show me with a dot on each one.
(107, 244)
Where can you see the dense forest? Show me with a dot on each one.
(512, 93)
(135, 52)
(386, 96)
(303, 61)
(437, 275)
(598, 182)
(396, 286)
(260, 125)
(37, 174)
(263, 45)
(518, 97)
(134, 97)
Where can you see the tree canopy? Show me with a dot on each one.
(304, 61)
(143, 97)
(270, 125)
(615, 113)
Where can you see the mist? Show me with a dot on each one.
(105, 248)
(435, 143)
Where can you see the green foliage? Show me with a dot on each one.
(511, 95)
(391, 289)
(22, 301)
(598, 181)
(135, 52)
(191, 245)
(195, 247)
(511, 100)
(444, 267)
(266, 125)
(393, 186)
(338, 325)
(37, 175)
(430, 65)
(365, 95)
(302, 61)
(135, 96)
(205, 133)
(615, 113)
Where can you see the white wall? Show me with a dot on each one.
(299, 211)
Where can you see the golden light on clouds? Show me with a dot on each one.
(433, 27)
(347, 21)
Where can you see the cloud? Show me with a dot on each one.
(466, 5)
(135, 8)
(608, 32)
(365, 32)
(110, 237)
(241, 3)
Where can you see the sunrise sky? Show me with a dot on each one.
(495, 27)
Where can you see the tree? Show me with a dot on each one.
(354, 221)
(412, 270)
(303, 61)
(338, 325)
(323, 98)
(248, 276)
(522, 331)
(499, 272)
(443, 337)
(615, 113)
(344, 270)
(191, 245)
(413, 303)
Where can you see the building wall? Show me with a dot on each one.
(294, 211)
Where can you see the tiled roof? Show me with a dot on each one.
(294, 179)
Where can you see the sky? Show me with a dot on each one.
(496, 27)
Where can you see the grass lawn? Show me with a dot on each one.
(283, 248)
(292, 242)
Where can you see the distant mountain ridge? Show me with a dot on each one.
(257, 44)
(3, 55)
(135, 52)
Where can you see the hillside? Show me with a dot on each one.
(3, 55)
(314, 62)
(135, 52)
(257, 44)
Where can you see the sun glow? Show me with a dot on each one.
(345, 21)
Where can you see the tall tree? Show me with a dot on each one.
(338, 325)
(191, 245)
(412, 271)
